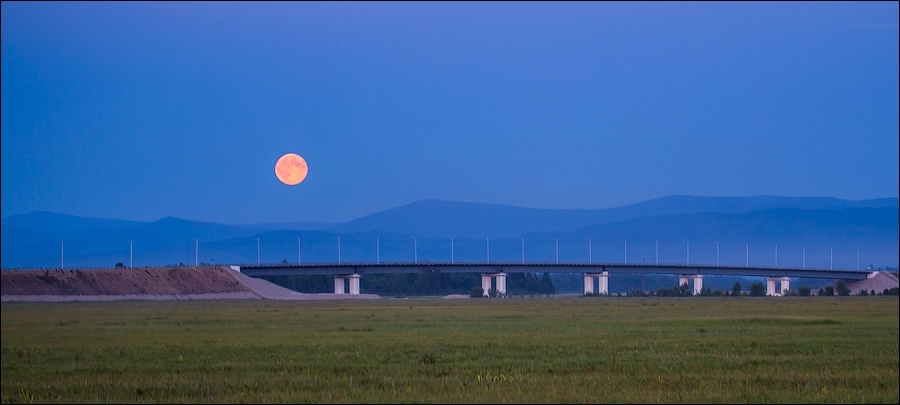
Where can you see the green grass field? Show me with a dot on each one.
(577, 349)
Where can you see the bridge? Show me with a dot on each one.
(493, 274)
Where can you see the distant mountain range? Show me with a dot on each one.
(683, 228)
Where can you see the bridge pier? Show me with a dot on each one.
(697, 282)
(602, 283)
(354, 283)
(339, 283)
(784, 285)
(486, 283)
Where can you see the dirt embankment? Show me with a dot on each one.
(148, 281)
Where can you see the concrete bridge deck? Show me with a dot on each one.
(338, 269)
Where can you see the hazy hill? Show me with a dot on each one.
(436, 218)
(423, 230)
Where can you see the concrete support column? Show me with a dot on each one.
(588, 283)
(682, 280)
(338, 284)
(603, 288)
(770, 286)
(501, 284)
(785, 284)
(354, 283)
(698, 284)
(486, 283)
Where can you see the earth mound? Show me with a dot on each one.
(149, 281)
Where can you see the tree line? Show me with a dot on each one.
(418, 284)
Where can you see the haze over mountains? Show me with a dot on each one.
(679, 228)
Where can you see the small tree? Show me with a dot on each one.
(477, 292)
(120, 265)
(863, 292)
(804, 291)
(829, 291)
(684, 291)
(736, 290)
(757, 290)
(842, 289)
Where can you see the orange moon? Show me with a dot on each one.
(291, 169)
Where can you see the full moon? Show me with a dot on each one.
(291, 169)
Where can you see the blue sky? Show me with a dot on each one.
(145, 110)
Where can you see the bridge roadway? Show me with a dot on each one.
(338, 269)
(498, 270)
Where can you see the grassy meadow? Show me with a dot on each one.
(559, 349)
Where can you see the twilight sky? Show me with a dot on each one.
(145, 110)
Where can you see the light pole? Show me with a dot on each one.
(488, 249)
(776, 255)
(62, 255)
(197, 253)
(257, 251)
(415, 250)
(857, 259)
(626, 250)
(523, 250)
(557, 251)
(688, 253)
(590, 252)
(804, 257)
(131, 254)
(832, 258)
(377, 251)
(339, 250)
(748, 255)
(717, 254)
(451, 250)
(657, 253)
(299, 257)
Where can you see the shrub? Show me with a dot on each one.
(736, 290)
(477, 292)
(829, 291)
(757, 290)
(804, 291)
(842, 289)
(120, 265)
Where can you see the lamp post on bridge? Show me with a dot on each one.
(415, 250)
(557, 251)
(523, 250)
(197, 253)
(488, 249)
(688, 253)
(657, 252)
(377, 251)
(131, 254)
(299, 257)
(804, 257)
(257, 251)
(776, 255)
(451, 250)
(590, 252)
(339, 250)
(626, 250)
(717, 254)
